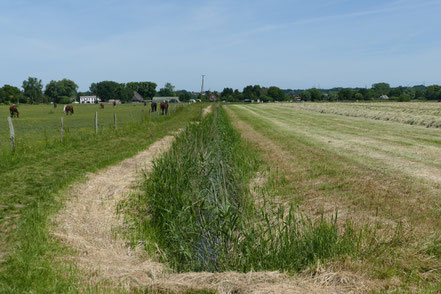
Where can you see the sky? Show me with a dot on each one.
(285, 43)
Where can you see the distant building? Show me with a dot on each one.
(385, 97)
(117, 101)
(89, 99)
(169, 99)
(137, 98)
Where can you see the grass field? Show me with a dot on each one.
(39, 124)
(371, 171)
(33, 178)
(344, 195)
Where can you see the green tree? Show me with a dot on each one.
(11, 94)
(33, 89)
(381, 89)
(345, 94)
(167, 91)
(106, 90)
(275, 93)
(64, 88)
(145, 89)
(433, 92)
(316, 95)
(227, 92)
(358, 96)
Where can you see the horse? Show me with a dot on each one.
(14, 111)
(154, 106)
(67, 109)
(114, 103)
(102, 105)
(55, 105)
(164, 107)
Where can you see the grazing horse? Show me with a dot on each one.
(67, 109)
(102, 105)
(14, 111)
(164, 107)
(154, 106)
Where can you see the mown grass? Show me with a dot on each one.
(316, 175)
(196, 205)
(31, 185)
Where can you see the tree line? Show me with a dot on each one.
(65, 91)
(376, 92)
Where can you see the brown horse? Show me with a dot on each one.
(102, 105)
(14, 111)
(164, 107)
(114, 103)
(154, 106)
(68, 108)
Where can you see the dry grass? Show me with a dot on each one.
(423, 114)
(363, 169)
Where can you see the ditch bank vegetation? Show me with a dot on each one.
(195, 211)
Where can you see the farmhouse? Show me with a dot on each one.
(169, 99)
(137, 98)
(89, 99)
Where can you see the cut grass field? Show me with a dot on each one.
(373, 172)
(31, 185)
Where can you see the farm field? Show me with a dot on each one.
(245, 198)
(372, 171)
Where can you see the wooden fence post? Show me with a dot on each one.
(96, 122)
(62, 130)
(12, 133)
(114, 120)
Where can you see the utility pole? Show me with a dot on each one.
(202, 85)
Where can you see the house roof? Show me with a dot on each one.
(137, 97)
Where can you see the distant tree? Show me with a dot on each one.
(275, 93)
(145, 89)
(252, 92)
(64, 88)
(345, 94)
(93, 88)
(316, 95)
(184, 95)
(227, 92)
(237, 96)
(33, 89)
(306, 95)
(433, 92)
(358, 96)
(123, 93)
(381, 89)
(11, 94)
(167, 91)
(106, 90)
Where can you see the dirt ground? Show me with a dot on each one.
(90, 226)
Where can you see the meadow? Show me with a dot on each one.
(325, 193)
(39, 124)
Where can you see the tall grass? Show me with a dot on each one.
(196, 206)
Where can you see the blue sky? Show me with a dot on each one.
(290, 44)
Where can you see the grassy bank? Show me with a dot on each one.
(196, 205)
(31, 182)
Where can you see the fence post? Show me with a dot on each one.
(96, 122)
(114, 120)
(62, 130)
(12, 133)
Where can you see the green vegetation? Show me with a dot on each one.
(39, 125)
(32, 182)
(374, 172)
(196, 205)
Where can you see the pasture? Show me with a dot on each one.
(39, 124)
(307, 197)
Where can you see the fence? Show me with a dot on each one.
(144, 114)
